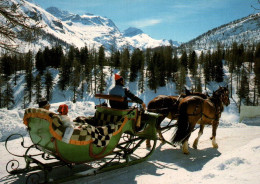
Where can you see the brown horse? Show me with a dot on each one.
(193, 110)
(167, 106)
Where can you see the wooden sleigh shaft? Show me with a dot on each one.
(111, 97)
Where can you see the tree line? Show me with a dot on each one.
(85, 70)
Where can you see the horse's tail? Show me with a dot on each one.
(182, 130)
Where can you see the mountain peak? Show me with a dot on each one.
(132, 31)
(62, 14)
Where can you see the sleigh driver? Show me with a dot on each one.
(120, 90)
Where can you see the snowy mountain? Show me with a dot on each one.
(245, 30)
(139, 39)
(132, 31)
(90, 30)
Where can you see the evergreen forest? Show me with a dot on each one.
(85, 70)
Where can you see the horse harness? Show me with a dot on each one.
(218, 110)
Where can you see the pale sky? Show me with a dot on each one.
(178, 20)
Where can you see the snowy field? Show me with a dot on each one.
(236, 161)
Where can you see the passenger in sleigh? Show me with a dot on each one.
(44, 104)
(63, 114)
(120, 90)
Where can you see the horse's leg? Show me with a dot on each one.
(148, 143)
(214, 133)
(161, 136)
(195, 143)
(185, 145)
(158, 128)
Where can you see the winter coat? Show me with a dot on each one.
(121, 91)
(69, 128)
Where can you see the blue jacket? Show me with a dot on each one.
(118, 91)
(121, 91)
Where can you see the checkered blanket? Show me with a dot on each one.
(100, 134)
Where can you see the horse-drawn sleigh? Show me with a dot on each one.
(111, 138)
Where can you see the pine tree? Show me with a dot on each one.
(181, 82)
(168, 62)
(239, 62)
(6, 66)
(175, 65)
(184, 61)
(95, 71)
(206, 67)
(198, 86)
(101, 75)
(101, 56)
(200, 71)
(257, 67)
(38, 87)
(230, 67)
(193, 63)
(153, 73)
(21, 63)
(17, 25)
(57, 56)
(249, 58)
(160, 62)
(84, 55)
(48, 85)
(90, 66)
(75, 78)
(244, 87)
(135, 63)
(141, 78)
(29, 76)
(40, 62)
(125, 60)
(47, 56)
(8, 98)
(84, 62)
(15, 68)
(65, 72)
(116, 59)
(219, 75)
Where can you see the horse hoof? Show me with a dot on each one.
(215, 146)
(148, 146)
(194, 146)
(185, 151)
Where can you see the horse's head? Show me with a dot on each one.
(223, 94)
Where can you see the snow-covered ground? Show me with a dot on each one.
(237, 160)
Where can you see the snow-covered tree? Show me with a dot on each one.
(14, 24)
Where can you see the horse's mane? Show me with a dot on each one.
(216, 97)
(189, 93)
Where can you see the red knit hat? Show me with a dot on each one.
(117, 77)
(63, 109)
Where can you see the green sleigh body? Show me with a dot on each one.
(46, 133)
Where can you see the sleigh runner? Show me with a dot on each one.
(110, 139)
